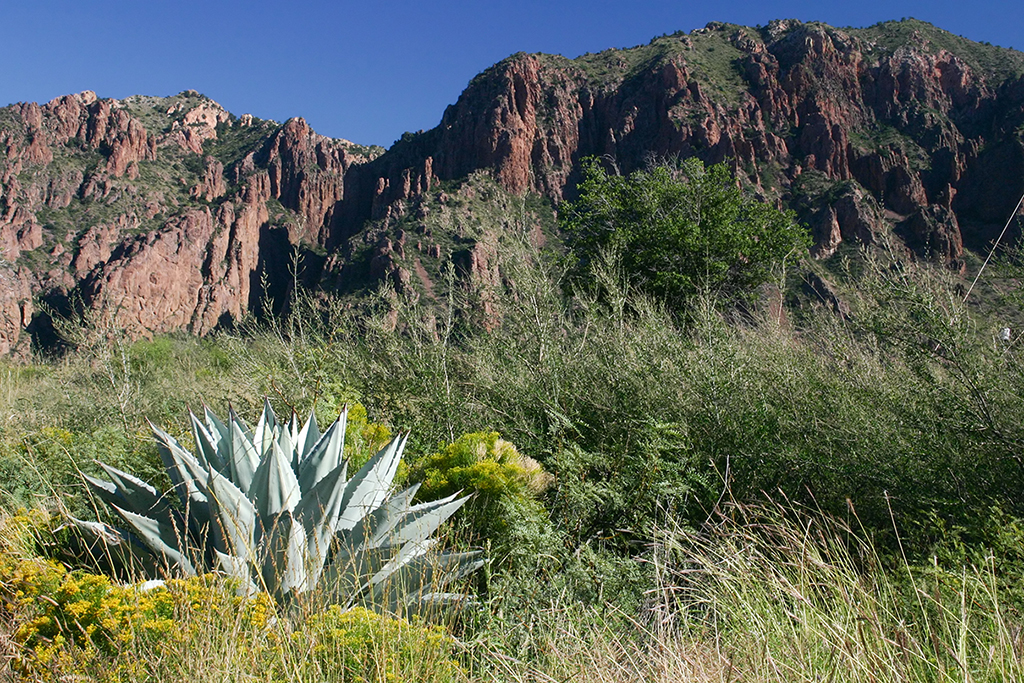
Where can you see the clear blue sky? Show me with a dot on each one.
(368, 71)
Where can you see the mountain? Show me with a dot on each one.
(170, 213)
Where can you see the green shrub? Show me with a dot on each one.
(358, 644)
(680, 230)
(505, 512)
(481, 463)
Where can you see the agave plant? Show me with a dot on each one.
(273, 507)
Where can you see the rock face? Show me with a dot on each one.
(155, 209)
(908, 117)
(173, 214)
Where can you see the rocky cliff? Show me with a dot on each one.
(165, 212)
(171, 213)
(899, 126)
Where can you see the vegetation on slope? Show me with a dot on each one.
(664, 490)
(655, 425)
(888, 36)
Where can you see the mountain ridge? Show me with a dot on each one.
(171, 213)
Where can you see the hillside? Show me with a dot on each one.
(171, 213)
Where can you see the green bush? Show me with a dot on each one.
(505, 512)
(680, 230)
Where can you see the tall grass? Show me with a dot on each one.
(649, 419)
(773, 593)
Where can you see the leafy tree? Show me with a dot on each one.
(679, 230)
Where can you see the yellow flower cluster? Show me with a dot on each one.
(78, 625)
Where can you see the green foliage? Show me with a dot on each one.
(364, 438)
(482, 463)
(46, 463)
(504, 511)
(358, 644)
(889, 36)
(680, 230)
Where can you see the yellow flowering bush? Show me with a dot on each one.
(82, 624)
(87, 611)
(19, 536)
(74, 624)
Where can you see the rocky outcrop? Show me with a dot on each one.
(211, 185)
(307, 175)
(170, 213)
(151, 282)
(907, 125)
(16, 309)
(182, 246)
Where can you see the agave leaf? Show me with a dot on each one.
(243, 458)
(354, 556)
(237, 568)
(242, 424)
(308, 437)
(355, 576)
(133, 494)
(386, 539)
(166, 543)
(140, 498)
(274, 488)
(188, 476)
(418, 522)
(216, 428)
(369, 486)
(318, 511)
(110, 535)
(347, 580)
(325, 455)
(319, 507)
(285, 442)
(293, 432)
(283, 564)
(266, 429)
(375, 525)
(119, 545)
(206, 445)
(235, 527)
(423, 574)
(393, 528)
(140, 493)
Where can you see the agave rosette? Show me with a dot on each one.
(273, 507)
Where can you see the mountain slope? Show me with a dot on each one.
(170, 213)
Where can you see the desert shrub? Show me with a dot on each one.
(363, 438)
(505, 513)
(45, 463)
(359, 644)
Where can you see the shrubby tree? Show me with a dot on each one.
(680, 229)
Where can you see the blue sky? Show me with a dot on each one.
(368, 71)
